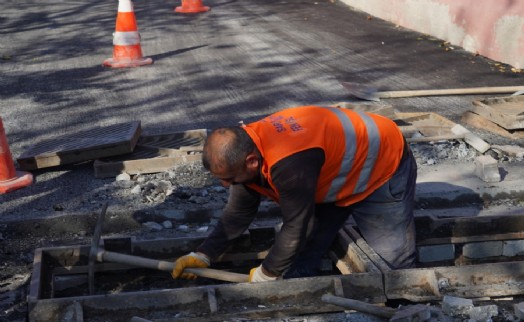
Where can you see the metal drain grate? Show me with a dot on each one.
(83, 146)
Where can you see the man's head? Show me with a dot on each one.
(231, 156)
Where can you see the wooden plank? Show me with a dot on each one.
(153, 165)
(508, 112)
(435, 138)
(155, 153)
(427, 123)
(483, 123)
(435, 127)
(341, 265)
(353, 256)
(364, 246)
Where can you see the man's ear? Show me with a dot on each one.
(252, 161)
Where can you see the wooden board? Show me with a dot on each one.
(507, 112)
(427, 123)
(483, 123)
(155, 153)
(83, 146)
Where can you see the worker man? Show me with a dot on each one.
(321, 164)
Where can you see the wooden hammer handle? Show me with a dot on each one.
(103, 255)
(451, 91)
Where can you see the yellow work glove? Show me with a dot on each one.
(257, 275)
(190, 260)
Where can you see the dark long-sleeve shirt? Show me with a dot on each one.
(295, 178)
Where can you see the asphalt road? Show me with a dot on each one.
(239, 61)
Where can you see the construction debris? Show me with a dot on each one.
(470, 138)
(422, 127)
(155, 153)
(508, 112)
(486, 168)
(452, 305)
(510, 150)
(501, 115)
(485, 124)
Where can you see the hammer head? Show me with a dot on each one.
(361, 91)
(94, 249)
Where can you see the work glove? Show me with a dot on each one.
(257, 275)
(193, 260)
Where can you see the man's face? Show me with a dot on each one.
(247, 173)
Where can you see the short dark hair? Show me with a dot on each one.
(227, 147)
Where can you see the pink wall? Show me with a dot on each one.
(492, 28)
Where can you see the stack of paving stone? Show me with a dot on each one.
(503, 116)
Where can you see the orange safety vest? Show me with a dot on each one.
(362, 150)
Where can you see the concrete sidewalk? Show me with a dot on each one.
(457, 185)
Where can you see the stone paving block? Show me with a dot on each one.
(513, 248)
(436, 253)
(482, 249)
(411, 313)
(512, 150)
(486, 168)
(483, 313)
(452, 305)
(519, 310)
(470, 138)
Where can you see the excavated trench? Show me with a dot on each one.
(465, 257)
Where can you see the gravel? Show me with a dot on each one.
(150, 206)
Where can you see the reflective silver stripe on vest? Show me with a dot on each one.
(349, 155)
(371, 158)
(126, 38)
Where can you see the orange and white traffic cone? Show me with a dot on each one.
(127, 51)
(192, 6)
(10, 179)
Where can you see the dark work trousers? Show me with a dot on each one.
(384, 218)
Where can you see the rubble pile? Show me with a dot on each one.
(191, 184)
(440, 151)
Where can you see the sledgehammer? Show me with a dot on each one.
(98, 254)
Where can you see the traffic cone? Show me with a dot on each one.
(10, 179)
(191, 6)
(127, 51)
